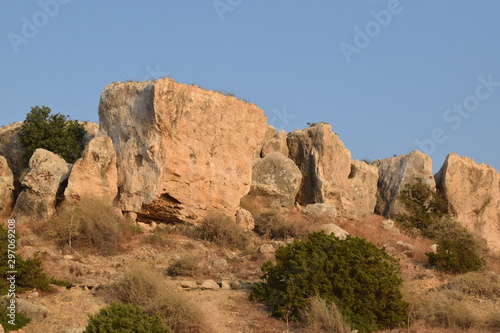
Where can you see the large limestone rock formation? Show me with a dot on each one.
(181, 150)
(325, 165)
(363, 181)
(275, 182)
(6, 187)
(42, 185)
(394, 173)
(473, 193)
(95, 174)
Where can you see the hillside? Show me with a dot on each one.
(190, 191)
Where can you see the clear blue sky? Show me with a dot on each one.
(384, 91)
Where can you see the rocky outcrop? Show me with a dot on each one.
(394, 173)
(276, 144)
(94, 174)
(363, 181)
(6, 188)
(473, 194)
(244, 219)
(325, 165)
(333, 229)
(42, 185)
(275, 182)
(11, 147)
(321, 210)
(181, 150)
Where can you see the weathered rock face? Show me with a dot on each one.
(394, 173)
(94, 174)
(11, 148)
(276, 144)
(321, 210)
(325, 165)
(180, 149)
(6, 188)
(334, 229)
(270, 133)
(41, 185)
(245, 219)
(473, 193)
(275, 182)
(363, 183)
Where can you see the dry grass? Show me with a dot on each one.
(157, 237)
(88, 226)
(144, 286)
(371, 230)
(468, 302)
(223, 231)
(321, 316)
(187, 265)
(281, 226)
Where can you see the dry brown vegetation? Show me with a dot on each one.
(103, 248)
(144, 286)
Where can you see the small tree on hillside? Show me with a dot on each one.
(53, 132)
(362, 280)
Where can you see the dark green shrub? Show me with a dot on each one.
(360, 278)
(54, 132)
(30, 272)
(20, 321)
(456, 255)
(425, 207)
(458, 249)
(125, 318)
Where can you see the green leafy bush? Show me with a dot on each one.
(457, 255)
(125, 318)
(458, 250)
(360, 278)
(30, 272)
(424, 206)
(54, 132)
